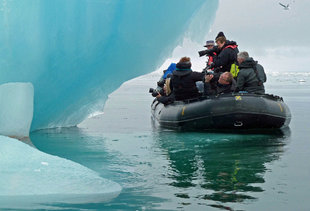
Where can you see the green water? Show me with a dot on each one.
(167, 170)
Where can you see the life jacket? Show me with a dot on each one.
(234, 68)
(231, 46)
(211, 58)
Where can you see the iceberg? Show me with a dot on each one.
(16, 109)
(30, 177)
(75, 53)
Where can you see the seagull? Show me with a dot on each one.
(285, 7)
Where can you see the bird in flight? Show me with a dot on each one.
(285, 7)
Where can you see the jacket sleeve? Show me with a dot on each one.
(240, 82)
(165, 99)
(261, 72)
(196, 76)
(208, 90)
(223, 58)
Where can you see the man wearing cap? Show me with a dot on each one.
(209, 45)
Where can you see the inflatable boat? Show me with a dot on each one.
(226, 111)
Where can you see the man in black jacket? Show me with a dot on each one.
(183, 80)
(251, 75)
(227, 54)
(225, 84)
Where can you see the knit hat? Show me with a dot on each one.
(220, 34)
(209, 42)
(184, 63)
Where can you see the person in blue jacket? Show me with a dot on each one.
(170, 69)
(167, 73)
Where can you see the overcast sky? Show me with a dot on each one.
(277, 38)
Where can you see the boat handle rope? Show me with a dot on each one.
(238, 124)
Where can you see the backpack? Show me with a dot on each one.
(260, 79)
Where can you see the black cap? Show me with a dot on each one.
(220, 34)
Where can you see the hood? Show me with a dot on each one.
(184, 65)
(228, 42)
(182, 72)
(183, 68)
(248, 63)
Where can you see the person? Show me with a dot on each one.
(209, 45)
(251, 75)
(210, 52)
(183, 80)
(227, 54)
(225, 84)
(169, 70)
(168, 96)
(166, 74)
(160, 84)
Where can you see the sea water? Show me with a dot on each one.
(160, 169)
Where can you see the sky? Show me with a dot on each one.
(277, 38)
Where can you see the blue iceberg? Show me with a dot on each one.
(77, 52)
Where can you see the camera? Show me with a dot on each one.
(204, 52)
(154, 92)
(209, 52)
(157, 91)
(161, 83)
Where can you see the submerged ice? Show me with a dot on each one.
(77, 52)
(30, 176)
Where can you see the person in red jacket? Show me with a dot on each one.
(209, 45)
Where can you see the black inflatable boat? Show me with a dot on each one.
(227, 111)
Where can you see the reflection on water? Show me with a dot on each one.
(225, 167)
(169, 170)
